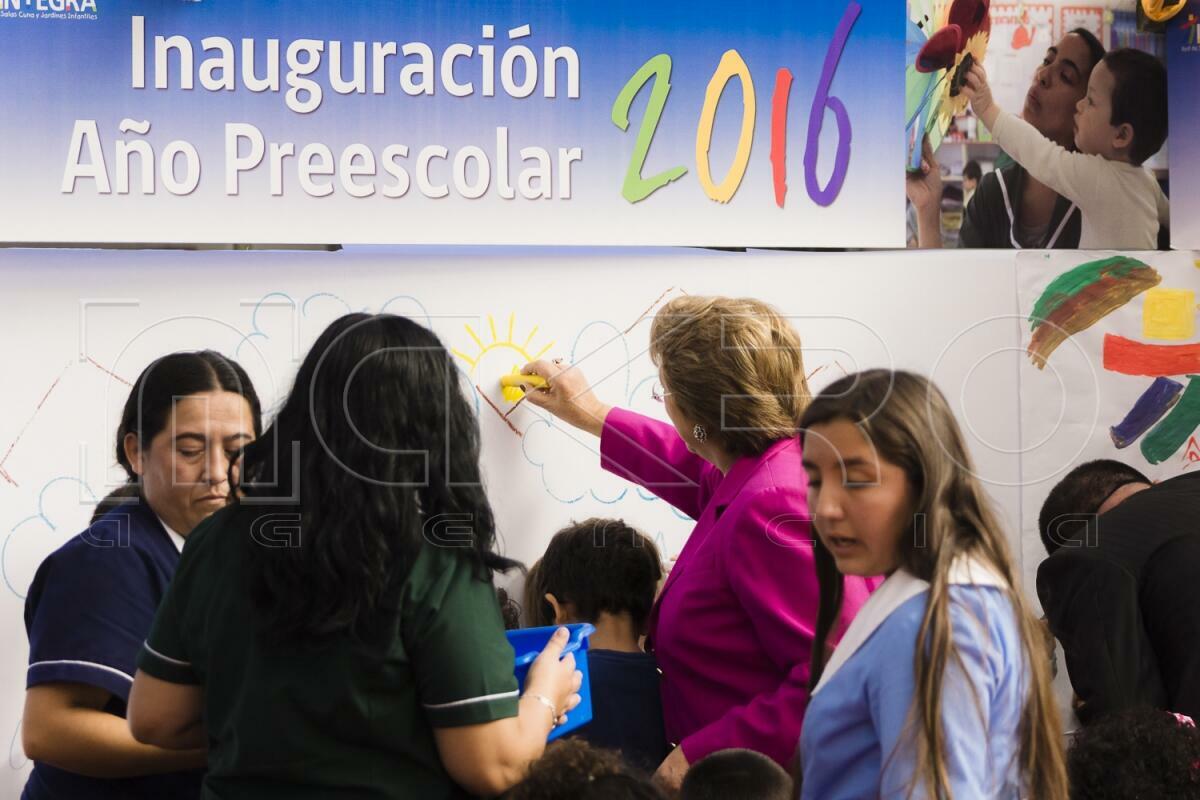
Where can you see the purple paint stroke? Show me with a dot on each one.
(816, 118)
(1149, 409)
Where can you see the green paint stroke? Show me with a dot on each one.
(1174, 430)
(1075, 280)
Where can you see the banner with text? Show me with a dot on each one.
(1183, 65)
(697, 123)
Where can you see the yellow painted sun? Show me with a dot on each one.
(500, 355)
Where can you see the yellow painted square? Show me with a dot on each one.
(1169, 314)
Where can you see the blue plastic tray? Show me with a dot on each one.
(527, 644)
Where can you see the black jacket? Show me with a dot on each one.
(1126, 604)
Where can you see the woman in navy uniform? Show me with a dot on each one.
(92, 602)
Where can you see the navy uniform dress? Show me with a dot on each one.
(89, 609)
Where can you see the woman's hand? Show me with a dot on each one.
(491, 757)
(554, 676)
(924, 187)
(671, 771)
(567, 395)
(924, 190)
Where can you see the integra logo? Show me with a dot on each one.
(43, 8)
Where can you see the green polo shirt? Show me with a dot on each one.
(342, 719)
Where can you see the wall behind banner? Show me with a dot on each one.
(79, 325)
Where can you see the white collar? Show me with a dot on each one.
(176, 539)
(900, 587)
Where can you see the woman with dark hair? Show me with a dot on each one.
(92, 601)
(335, 633)
(1010, 209)
(940, 688)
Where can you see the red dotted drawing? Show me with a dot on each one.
(12, 445)
(1192, 454)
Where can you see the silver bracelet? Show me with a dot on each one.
(541, 698)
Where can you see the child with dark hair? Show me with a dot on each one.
(572, 768)
(1140, 753)
(971, 176)
(739, 773)
(1119, 123)
(605, 572)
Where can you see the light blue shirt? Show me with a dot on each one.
(855, 742)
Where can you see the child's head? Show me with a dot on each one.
(1123, 116)
(595, 567)
(573, 768)
(972, 173)
(883, 452)
(1141, 753)
(744, 774)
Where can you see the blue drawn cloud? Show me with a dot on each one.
(24, 535)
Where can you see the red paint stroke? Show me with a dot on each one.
(506, 414)
(499, 413)
(29, 422)
(779, 115)
(646, 313)
(106, 371)
(8, 477)
(1192, 454)
(816, 371)
(1138, 358)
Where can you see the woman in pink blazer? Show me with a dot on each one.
(733, 626)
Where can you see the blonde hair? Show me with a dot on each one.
(909, 423)
(733, 365)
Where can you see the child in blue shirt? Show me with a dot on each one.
(940, 686)
(605, 572)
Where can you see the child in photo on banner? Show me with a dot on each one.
(1119, 124)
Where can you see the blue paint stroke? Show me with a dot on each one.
(679, 513)
(638, 387)
(620, 496)
(257, 332)
(311, 297)
(541, 467)
(41, 515)
(466, 378)
(13, 749)
(415, 301)
(1149, 409)
(619, 335)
